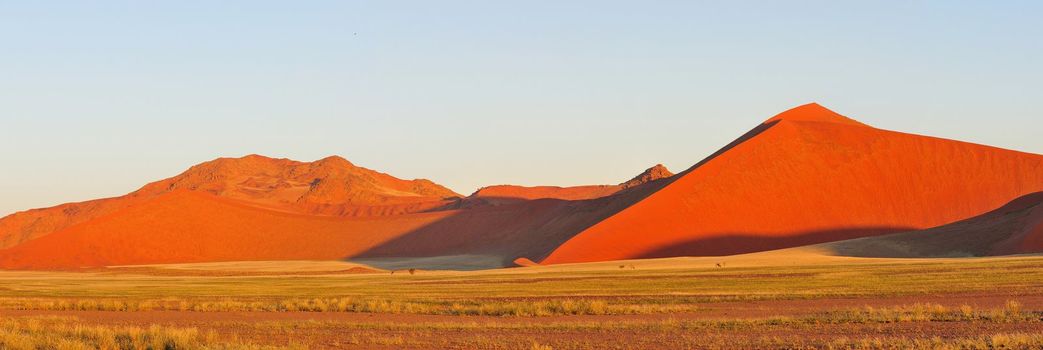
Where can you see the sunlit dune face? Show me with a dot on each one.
(811, 176)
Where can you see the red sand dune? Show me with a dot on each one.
(23, 226)
(199, 218)
(807, 176)
(195, 226)
(330, 186)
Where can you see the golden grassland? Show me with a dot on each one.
(533, 308)
(919, 312)
(610, 296)
(549, 291)
(65, 333)
(706, 334)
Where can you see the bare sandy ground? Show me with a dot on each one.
(820, 254)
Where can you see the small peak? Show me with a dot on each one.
(255, 156)
(651, 174)
(334, 161)
(493, 190)
(255, 159)
(813, 112)
(659, 171)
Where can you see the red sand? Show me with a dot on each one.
(810, 176)
(500, 194)
(805, 176)
(524, 262)
(330, 186)
(539, 192)
(192, 226)
(189, 225)
(1003, 231)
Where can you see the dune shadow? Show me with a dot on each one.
(463, 262)
(742, 243)
(996, 232)
(508, 228)
(470, 237)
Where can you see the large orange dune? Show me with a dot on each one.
(809, 175)
(199, 216)
(195, 226)
(330, 186)
(805, 176)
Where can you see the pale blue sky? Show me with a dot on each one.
(99, 97)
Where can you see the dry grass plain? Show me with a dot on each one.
(798, 299)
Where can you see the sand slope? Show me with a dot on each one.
(330, 186)
(1014, 228)
(501, 194)
(191, 225)
(808, 176)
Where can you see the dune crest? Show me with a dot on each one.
(813, 112)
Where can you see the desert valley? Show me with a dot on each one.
(811, 230)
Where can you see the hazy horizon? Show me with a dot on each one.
(99, 99)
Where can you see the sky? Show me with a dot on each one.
(98, 98)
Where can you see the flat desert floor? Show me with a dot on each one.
(795, 298)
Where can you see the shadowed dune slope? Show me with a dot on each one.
(1014, 228)
(330, 186)
(501, 194)
(808, 176)
(540, 192)
(531, 228)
